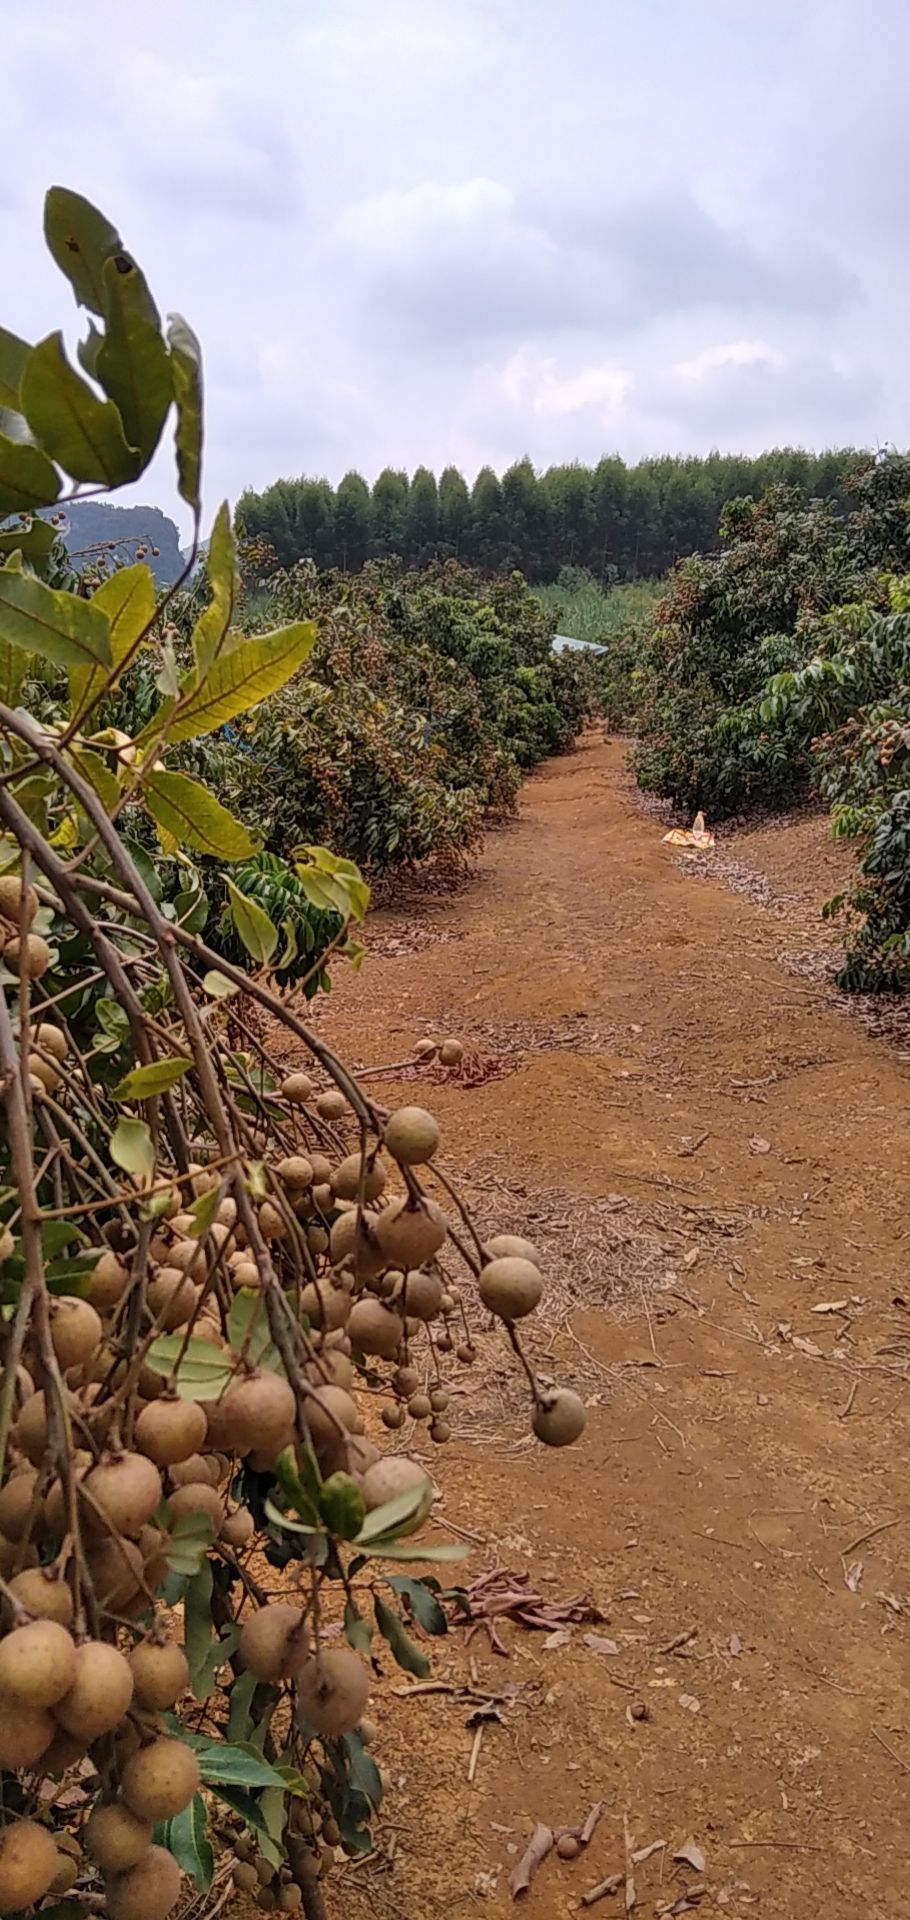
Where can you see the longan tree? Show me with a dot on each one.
(225, 1279)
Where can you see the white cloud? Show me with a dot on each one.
(733, 353)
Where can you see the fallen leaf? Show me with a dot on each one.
(853, 1577)
(806, 1346)
(536, 1850)
(734, 1646)
(690, 1855)
(560, 1638)
(644, 1853)
(690, 1258)
(597, 1644)
(890, 1600)
(757, 1145)
(831, 1306)
(690, 1702)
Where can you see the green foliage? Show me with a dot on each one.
(617, 522)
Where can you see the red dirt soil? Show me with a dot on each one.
(745, 1451)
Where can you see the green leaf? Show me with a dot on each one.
(303, 1498)
(332, 883)
(80, 240)
(218, 986)
(186, 1837)
(98, 774)
(203, 1372)
(256, 930)
(391, 1626)
(49, 623)
(204, 1652)
(13, 669)
(189, 1540)
(391, 1549)
(211, 630)
(281, 1519)
(204, 1211)
(248, 1808)
(251, 671)
(87, 351)
(186, 367)
(363, 1772)
(341, 1504)
(27, 477)
(240, 1704)
(422, 1601)
(239, 1766)
(82, 433)
(133, 364)
(192, 815)
(132, 1148)
(357, 1631)
(34, 542)
(192, 909)
(248, 1328)
(143, 1082)
(393, 1513)
(13, 355)
(127, 597)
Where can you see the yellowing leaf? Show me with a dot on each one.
(145, 1081)
(132, 1147)
(186, 809)
(212, 626)
(127, 597)
(251, 671)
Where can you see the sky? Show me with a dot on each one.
(432, 231)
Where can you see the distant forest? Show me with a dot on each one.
(95, 523)
(619, 522)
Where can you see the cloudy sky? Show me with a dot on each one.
(466, 230)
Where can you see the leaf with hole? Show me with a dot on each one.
(80, 240)
(132, 363)
(83, 434)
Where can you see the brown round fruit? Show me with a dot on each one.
(510, 1287)
(34, 958)
(100, 1693)
(238, 1529)
(160, 1674)
(559, 1417)
(411, 1136)
(509, 1246)
(169, 1431)
(422, 1295)
(31, 1429)
(373, 1328)
(148, 1891)
(295, 1171)
(389, 1478)
(568, 1846)
(16, 1500)
(28, 1862)
(11, 908)
(325, 1305)
(451, 1053)
(263, 1407)
(161, 1779)
(297, 1088)
(347, 1175)
(200, 1498)
(75, 1330)
(25, 1733)
(332, 1691)
(410, 1235)
(117, 1571)
(43, 1595)
(107, 1282)
(172, 1296)
(332, 1105)
(273, 1642)
(352, 1240)
(127, 1488)
(114, 1838)
(37, 1663)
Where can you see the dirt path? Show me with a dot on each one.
(738, 1156)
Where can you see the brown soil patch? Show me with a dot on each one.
(720, 1162)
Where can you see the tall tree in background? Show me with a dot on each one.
(390, 508)
(353, 523)
(487, 528)
(422, 518)
(454, 512)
